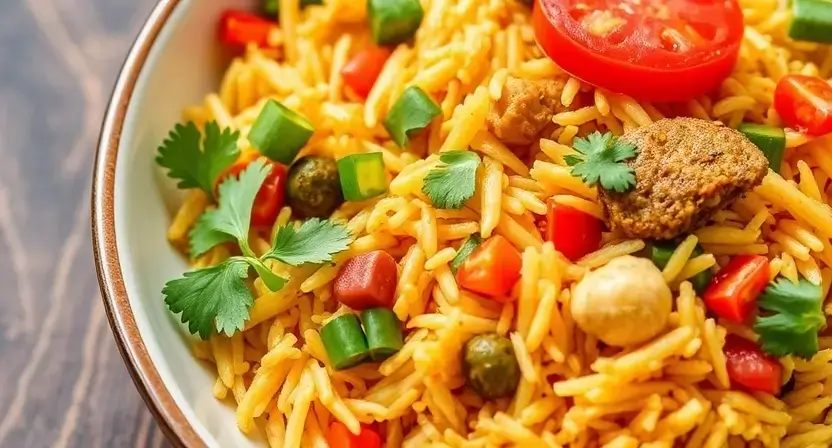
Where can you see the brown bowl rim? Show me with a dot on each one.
(155, 394)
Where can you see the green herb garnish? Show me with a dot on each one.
(794, 320)
(217, 297)
(196, 161)
(449, 185)
(600, 159)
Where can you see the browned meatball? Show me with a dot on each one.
(686, 170)
(525, 109)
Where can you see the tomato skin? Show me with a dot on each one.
(361, 72)
(633, 59)
(733, 292)
(270, 197)
(367, 281)
(238, 28)
(341, 437)
(804, 103)
(492, 269)
(748, 366)
(574, 232)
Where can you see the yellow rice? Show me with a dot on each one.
(672, 391)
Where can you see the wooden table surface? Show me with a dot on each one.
(62, 381)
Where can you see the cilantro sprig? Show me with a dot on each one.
(217, 298)
(451, 184)
(793, 319)
(196, 161)
(600, 159)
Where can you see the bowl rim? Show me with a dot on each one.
(146, 377)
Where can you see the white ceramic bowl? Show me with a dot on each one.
(175, 61)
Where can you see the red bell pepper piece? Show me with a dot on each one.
(238, 28)
(341, 437)
(361, 72)
(367, 281)
(492, 269)
(270, 197)
(748, 366)
(574, 232)
(733, 292)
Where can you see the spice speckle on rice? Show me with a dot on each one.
(410, 226)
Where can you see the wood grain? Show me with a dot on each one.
(62, 381)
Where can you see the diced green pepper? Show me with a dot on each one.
(384, 332)
(465, 251)
(394, 21)
(362, 176)
(771, 141)
(279, 133)
(660, 253)
(412, 113)
(701, 280)
(811, 21)
(344, 342)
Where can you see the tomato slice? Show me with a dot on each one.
(804, 103)
(492, 269)
(748, 366)
(361, 72)
(733, 292)
(655, 50)
(270, 198)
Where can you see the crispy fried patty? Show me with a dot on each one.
(525, 109)
(686, 170)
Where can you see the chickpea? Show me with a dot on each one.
(625, 302)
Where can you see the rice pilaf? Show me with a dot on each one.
(673, 390)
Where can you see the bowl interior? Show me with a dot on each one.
(184, 64)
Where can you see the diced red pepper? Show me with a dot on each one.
(367, 281)
(341, 437)
(270, 198)
(238, 28)
(750, 367)
(733, 292)
(492, 269)
(361, 72)
(574, 232)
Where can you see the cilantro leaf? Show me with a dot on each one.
(448, 186)
(203, 237)
(315, 242)
(212, 299)
(232, 218)
(193, 166)
(600, 160)
(272, 281)
(796, 316)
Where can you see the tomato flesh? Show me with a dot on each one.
(271, 196)
(239, 28)
(492, 269)
(804, 103)
(367, 281)
(341, 437)
(361, 72)
(732, 294)
(749, 367)
(655, 50)
(575, 233)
